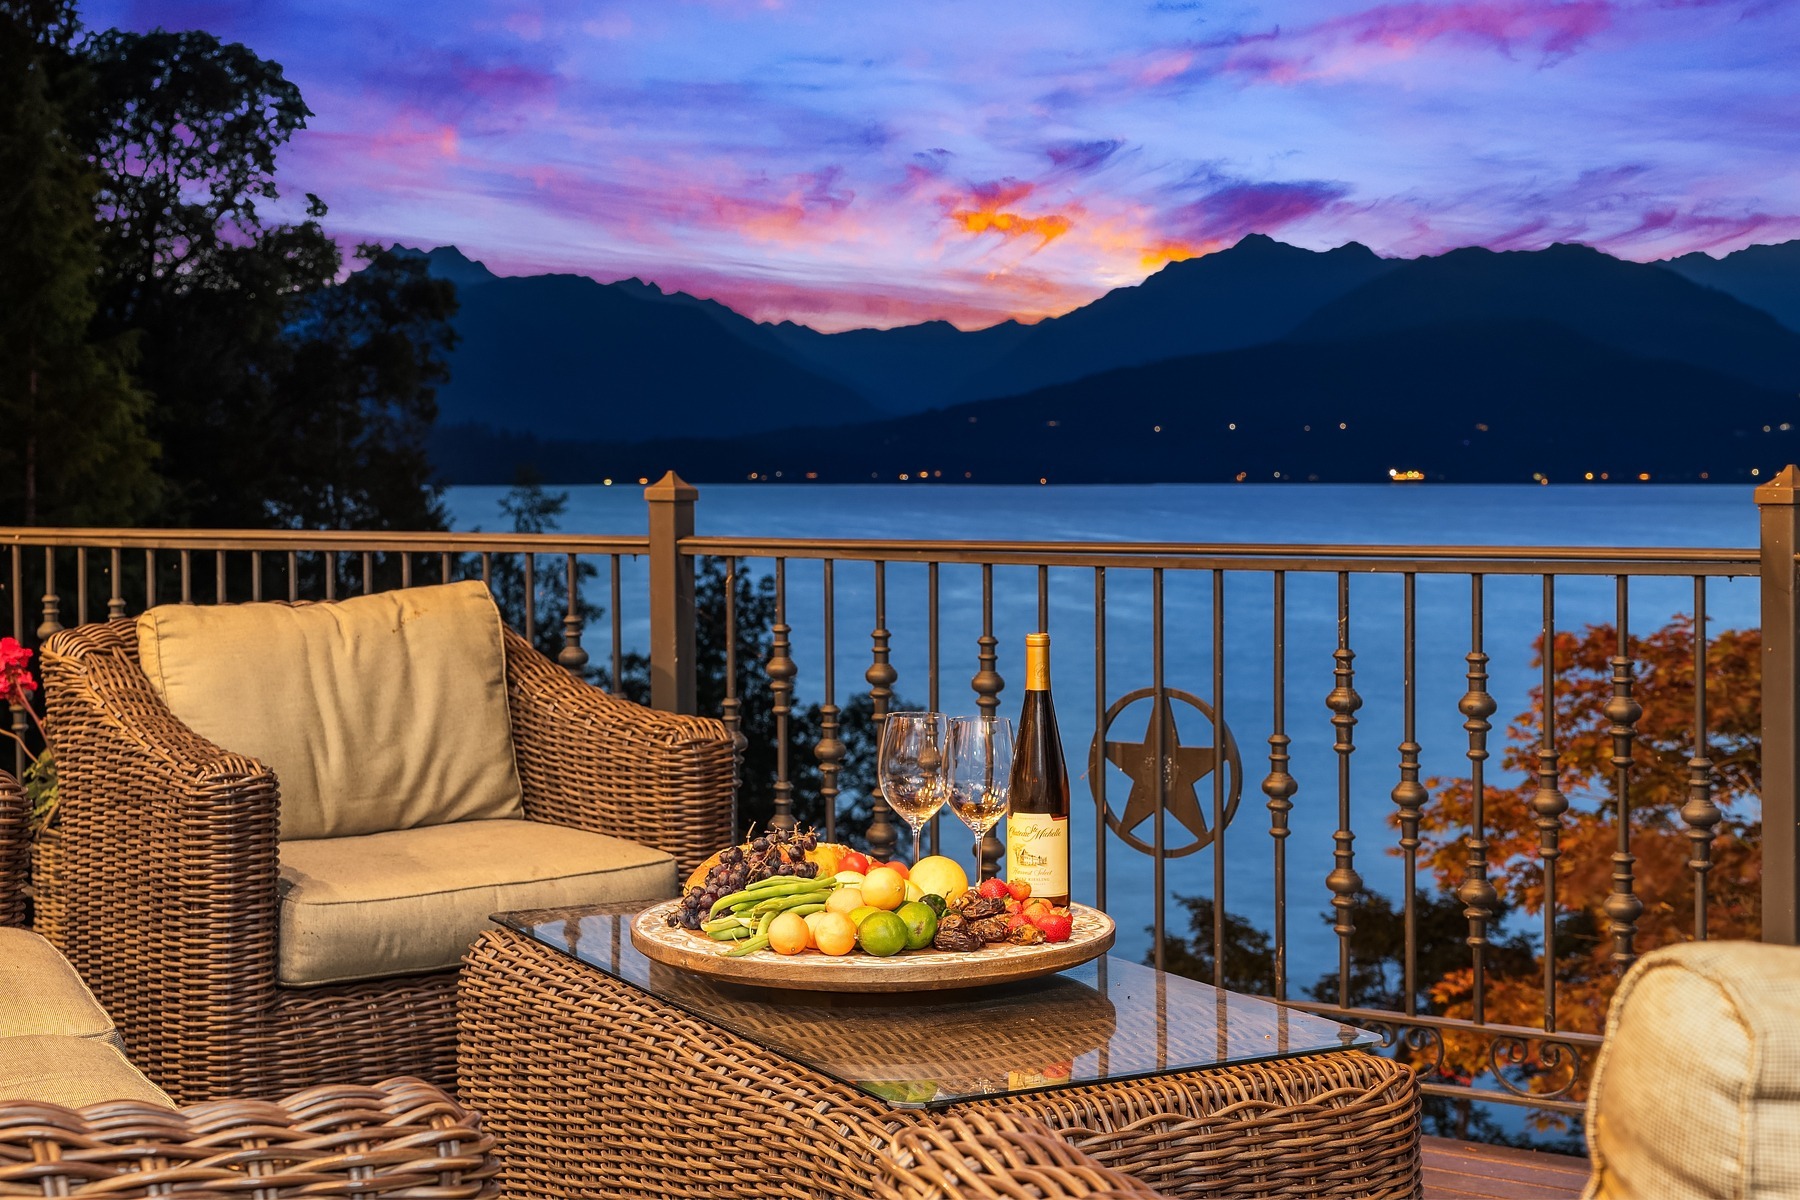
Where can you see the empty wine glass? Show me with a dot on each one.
(912, 767)
(979, 773)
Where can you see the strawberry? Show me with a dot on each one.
(1037, 908)
(1056, 926)
(1014, 921)
(994, 889)
(1021, 891)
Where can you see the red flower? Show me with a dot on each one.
(15, 671)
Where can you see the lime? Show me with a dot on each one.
(882, 934)
(921, 924)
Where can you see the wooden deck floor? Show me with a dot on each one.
(1471, 1171)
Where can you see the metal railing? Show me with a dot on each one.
(110, 573)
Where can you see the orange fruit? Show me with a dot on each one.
(788, 933)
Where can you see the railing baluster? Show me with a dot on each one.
(1700, 813)
(368, 576)
(1343, 882)
(1159, 698)
(1218, 774)
(293, 576)
(1097, 760)
(572, 656)
(781, 671)
(218, 577)
(988, 685)
(256, 580)
(405, 569)
(881, 675)
(19, 721)
(1548, 802)
(729, 708)
(115, 601)
(830, 750)
(932, 672)
(530, 598)
(445, 567)
(331, 570)
(52, 621)
(1480, 901)
(1043, 598)
(1278, 785)
(1623, 908)
(487, 568)
(1409, 795)
(618, 639)
(149, 579)
(81, 585)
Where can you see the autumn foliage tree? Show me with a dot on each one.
(1674, 839)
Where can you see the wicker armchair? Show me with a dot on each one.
(159, 882)
(399, 1140)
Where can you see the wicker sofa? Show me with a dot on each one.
(170, 874)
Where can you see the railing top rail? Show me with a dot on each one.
(428, 542)
(1462, 560)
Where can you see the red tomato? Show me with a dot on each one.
(854, 861)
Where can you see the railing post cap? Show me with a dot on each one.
(672, 488)
(1783, 489)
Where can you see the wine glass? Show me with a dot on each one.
(912, 767)
(979, 773)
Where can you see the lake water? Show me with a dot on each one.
(1628, 515)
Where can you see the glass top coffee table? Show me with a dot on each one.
(1108, 1020)
(600, 1072)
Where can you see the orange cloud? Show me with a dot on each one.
(988, 209)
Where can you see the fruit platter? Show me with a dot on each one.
(787, 910)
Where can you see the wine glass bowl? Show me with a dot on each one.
(911, 767)
(978, 774)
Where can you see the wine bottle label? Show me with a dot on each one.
(1037, 851)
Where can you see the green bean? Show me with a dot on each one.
(760, 942)
(776, 903)
(723, 923)
(784, 888)
(807, 909)
(732, 934)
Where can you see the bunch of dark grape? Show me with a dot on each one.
(767, 854)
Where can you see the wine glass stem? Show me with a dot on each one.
(978, 877)
(915, 857)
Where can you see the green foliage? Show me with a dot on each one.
(76, 450)
(39, 782)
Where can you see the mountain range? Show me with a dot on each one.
(1472, 364)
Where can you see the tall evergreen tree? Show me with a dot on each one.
(76, 450)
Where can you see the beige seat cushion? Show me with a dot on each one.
(71, 1071)
(40, 993)
(1696, 1093)
(412, 900)
(381, 712)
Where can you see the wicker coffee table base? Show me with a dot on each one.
(592, 1087)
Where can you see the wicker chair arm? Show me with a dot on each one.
(990, 1156)
(159, 882)
(402, 1139)
(599, 762)
(15, 849)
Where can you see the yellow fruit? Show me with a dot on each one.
(812, 925)
(788, 933)
(834, 934)
(914, 891)
(858, 916)
(843, 900)
(940, 876)
(885, 888)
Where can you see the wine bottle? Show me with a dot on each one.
(1037, 818)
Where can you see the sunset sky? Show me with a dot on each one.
(870, 163)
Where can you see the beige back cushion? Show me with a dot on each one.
(381, 712)
(1696, 1093)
